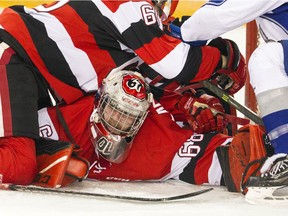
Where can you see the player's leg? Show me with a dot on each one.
(269, 78)
(17, 160)
(270, 83)
(18, 118)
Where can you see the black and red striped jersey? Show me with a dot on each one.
(75, 44)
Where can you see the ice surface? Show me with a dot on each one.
(216, 202)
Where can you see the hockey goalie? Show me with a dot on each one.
(122, 133)
(125, 135)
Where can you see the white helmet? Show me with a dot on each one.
(123, 106)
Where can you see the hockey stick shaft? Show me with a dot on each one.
(230, 100)
(30, 188)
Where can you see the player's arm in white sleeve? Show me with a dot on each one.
(219, 16)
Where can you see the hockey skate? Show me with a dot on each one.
(272, 184)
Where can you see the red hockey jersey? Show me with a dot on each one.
(74, 44)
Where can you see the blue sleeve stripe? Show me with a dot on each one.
(285, 51)
(275, 120)
(215, 3)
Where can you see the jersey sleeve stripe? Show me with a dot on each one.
(79, 51)
(46, 125)
(98, 46)
(5, 117)
(148, 33)
(171, 68)
(114, 11)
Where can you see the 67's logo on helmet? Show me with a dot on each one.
(134, 86)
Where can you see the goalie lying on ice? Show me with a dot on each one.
(51, 53)
(123, 143)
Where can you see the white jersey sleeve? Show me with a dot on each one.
(219, 16)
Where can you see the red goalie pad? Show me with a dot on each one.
(77, 170)
(246, 147)
(58, 165)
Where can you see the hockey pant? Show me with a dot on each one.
(17, 160)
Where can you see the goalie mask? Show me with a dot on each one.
(165, 8)
(123, 106)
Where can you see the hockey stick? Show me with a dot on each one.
(225, 97)
(31, 188)
(230, 100)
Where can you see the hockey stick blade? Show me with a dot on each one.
(31, 188)
(230, 100)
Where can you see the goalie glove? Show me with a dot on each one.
(175, 31)
(232, 73)
(203, 112)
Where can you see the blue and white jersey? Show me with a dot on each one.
(219, 16)
(273, 25)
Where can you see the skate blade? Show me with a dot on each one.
(259, 195)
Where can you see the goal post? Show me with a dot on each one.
(251, 44)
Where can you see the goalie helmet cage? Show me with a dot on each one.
(252, 41)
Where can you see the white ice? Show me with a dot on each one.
(214, 203)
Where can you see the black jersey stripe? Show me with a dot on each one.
(147, 33)
(190, 69)
(23, 99)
